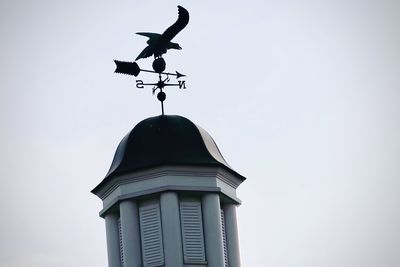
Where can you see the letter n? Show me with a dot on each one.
(182, 84)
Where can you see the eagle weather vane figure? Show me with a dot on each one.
(157, 45)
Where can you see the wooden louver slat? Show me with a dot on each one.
(224, 238)
(192, 231)
(121, 253)
(151, 236)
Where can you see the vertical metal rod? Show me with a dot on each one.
(162, 101)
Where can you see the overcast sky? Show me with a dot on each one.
(302, 98)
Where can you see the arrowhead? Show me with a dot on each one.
(130, 68)
(179, 75)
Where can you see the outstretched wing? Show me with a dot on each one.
(151, 35)
(147, 52)
(174, 29)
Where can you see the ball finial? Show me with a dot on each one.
(159, 65)
(161, 96)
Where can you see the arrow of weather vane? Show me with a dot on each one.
(158, 44)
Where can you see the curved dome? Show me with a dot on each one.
(166, 140)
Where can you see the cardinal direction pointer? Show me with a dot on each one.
(182, 84)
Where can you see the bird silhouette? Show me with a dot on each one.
(158, 44)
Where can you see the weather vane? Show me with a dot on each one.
(157, 45)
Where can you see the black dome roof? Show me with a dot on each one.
(166, 140)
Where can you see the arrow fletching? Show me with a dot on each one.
(129, 68)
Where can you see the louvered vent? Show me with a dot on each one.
(150, 230)
(121, 253)
(192, 231)
(224, 238)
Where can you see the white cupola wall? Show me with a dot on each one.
(169, 199)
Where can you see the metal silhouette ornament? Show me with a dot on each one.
(157, 45)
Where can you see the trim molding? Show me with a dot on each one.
(182, 171)
(161, 189)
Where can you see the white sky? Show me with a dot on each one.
(302, 98)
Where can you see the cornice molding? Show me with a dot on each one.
(163, 171)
